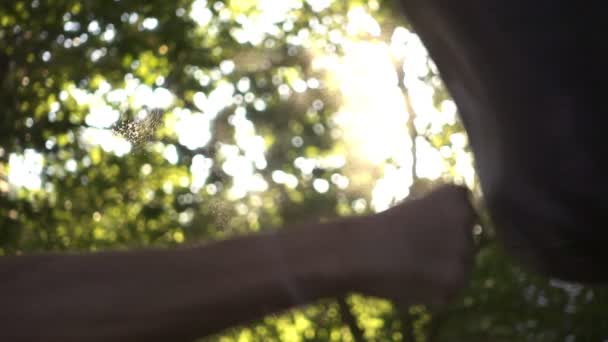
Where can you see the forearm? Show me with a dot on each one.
(415, 252)
(170, 294)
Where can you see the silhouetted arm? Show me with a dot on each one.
(535, 122)
(415, 252)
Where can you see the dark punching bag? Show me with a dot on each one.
(529, 80)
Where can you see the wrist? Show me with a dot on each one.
(322, 259)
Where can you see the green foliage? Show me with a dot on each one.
(62, 59)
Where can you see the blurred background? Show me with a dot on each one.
(128, 123)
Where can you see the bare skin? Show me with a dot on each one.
(416, 252)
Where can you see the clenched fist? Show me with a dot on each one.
(420, 251)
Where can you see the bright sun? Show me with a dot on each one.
(374, 116)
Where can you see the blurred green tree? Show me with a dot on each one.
(250, 135)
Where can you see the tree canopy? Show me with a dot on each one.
(159, 123)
